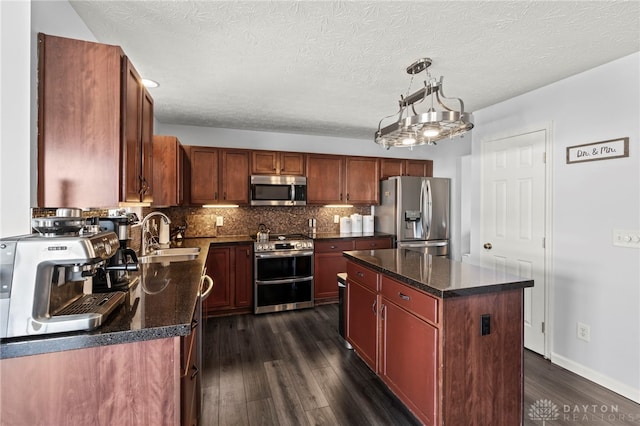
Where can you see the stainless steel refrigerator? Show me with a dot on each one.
(416, 211)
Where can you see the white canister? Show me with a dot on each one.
(345, 225)
(356, 223)
(367, 224)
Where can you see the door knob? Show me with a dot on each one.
(488, 246)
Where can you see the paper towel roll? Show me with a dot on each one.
(367, 224)
(163, 234)
(345, 225)
(356, 223)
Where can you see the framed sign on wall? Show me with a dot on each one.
(605, 150)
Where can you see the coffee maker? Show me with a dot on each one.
(42, 278)
(116, 274)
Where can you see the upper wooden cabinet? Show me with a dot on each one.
(325, 179)
(342, 180)
(168, 162)
(95, 126)
(218, 175)
(277, 163)
(399, 167)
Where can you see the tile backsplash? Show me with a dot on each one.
(201, 222)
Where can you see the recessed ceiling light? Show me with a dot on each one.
(150, 83)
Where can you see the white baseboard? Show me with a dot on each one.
(596, 377)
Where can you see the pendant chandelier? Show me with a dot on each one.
(438, 122)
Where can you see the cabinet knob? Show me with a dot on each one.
(487, 246)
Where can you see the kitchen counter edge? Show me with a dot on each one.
(440, 282)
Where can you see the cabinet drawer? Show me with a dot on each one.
(365, 276)
(332, 246)
(373, 243)
(412, 300)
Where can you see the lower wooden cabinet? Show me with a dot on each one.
(430, 352)
(231, 268)
(409, 359)
(329, 261)
(124, 384)
(362, 322)
(191, 372)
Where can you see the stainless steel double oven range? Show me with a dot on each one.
(283, 273)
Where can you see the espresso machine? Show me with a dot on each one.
(42, 278)
(116, 273)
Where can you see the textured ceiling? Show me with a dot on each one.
(337, 67)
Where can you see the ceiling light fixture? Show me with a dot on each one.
(428, 127)
(152, 84)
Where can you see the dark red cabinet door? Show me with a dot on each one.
(362, 320)
(408, 360)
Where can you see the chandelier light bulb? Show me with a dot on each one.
(431, 132)
(408, 141)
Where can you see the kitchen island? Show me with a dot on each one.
(445, 337)
(139, 367)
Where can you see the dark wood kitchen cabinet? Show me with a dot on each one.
(329, 261)
(401, 167)
(191, 372)
(95, 126)
(277, 163)
(406, 341)
(334, 179)
(168, 162)
(362, 313)
(218, 175)
(325, 179)
(231, 268)
(135, 383)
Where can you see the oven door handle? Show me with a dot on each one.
(288, 254)
(286, 281)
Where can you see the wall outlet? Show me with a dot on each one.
(626, 238)
(219, 221)
(583, 332)
(336, 218)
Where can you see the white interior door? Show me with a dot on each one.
(513, 220)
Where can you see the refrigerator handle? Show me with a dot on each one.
(427, 207)
(420, 225)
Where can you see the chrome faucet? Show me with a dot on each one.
(147, 240)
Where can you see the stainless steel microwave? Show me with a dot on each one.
(278, 190)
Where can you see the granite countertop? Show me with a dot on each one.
(436, 275)
(160, 304)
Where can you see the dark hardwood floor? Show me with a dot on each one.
(291, 368)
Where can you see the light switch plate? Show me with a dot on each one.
(626, 238)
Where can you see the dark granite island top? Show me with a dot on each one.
(160, 304)
(436, 275)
